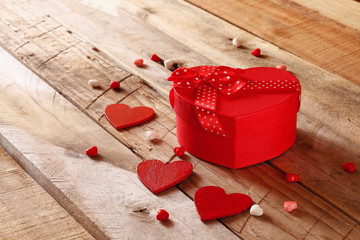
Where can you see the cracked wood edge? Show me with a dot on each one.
(48, 136)
(27, 211)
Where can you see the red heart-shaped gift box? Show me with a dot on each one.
(255, 115)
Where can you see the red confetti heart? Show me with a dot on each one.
(212, 203)
(114, 84)
(122, 116)
(348, 166)
(290, 177)
(179, 151)
(91, 152)
(162, 215)
(139, 62)
(155, 58)
(157, 176)
(256, 52)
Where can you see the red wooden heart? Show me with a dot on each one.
(212, 203)
(157, 176)
(122, 116)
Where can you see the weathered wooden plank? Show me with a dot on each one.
(134, 138)
(27, 211)
(307, 34)
(137, 41)
(48, 136)
(322, 92)
(323, 119)
(264, 185)
(346, 12)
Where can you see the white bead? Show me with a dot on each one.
(169, 63)
(94, 83)
(151, 135)
(256, 210)
(236, 42)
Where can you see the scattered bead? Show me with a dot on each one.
(139, 62)
(256, 210)
(94, 83)
(290, 205)
(151, 135)
(91, 152)
(169, 64)
(162, 215)
(283, 67)
(349, 167)
(290, 177)
(114, 84)
(236, 42)
(155, 58)
(179, 151)
(256, 52)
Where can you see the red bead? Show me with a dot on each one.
(290, 177)
(256, 52)
(162, 215)
(92, 151)
(349, 167)
(139, 62)
(114, 84)
(155, 58)
(282, 67)
(179, 151)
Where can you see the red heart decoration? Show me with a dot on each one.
(157, 176)
(91, 152)
(122, 116)
(212, 203)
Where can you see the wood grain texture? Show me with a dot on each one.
(316, 218)
(326, 106)
(254, 181)
(27, 211)
(323, 119)
(346, 12)
(134, 39)
(307, 34)
(48, 136)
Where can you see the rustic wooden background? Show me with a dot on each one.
(49, 115)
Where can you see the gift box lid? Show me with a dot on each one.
(267, 94)
(245, 102)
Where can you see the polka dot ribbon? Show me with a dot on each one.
(209, 80)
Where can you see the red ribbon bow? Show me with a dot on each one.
(208, 80)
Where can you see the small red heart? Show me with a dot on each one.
(162, 215)
(122, 116)
(157, 176)
(290, 177)
(114, 84)
(212, 203)
(155, 58)
(256, 52)
(348, 166)
(91, 152)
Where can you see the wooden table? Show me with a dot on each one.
(49, 115)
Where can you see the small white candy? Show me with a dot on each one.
(94, 83)
(151, 135)
(169, 64)
(256, 210)
(236, 42)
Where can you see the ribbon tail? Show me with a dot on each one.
(205, 106)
